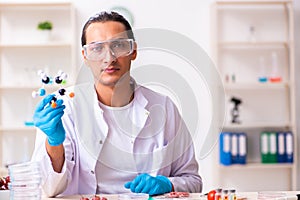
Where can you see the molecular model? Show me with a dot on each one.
(59, 79)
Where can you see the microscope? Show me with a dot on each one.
(235, 110)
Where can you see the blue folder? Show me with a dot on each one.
(242, 148)
(225, 148)
(289, 147)
(281, 147)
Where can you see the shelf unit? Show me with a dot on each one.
(246, 33)
(24, 51)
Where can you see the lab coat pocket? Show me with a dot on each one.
(153, 160)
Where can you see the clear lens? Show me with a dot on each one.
(118, 48)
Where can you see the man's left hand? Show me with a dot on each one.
(145, 183)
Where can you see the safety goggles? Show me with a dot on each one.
(117, 47)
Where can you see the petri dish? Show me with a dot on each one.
(135, 196)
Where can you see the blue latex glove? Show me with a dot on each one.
(48, 119)
(145, 183)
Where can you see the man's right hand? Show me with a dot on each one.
(48, 120)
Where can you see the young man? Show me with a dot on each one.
(114, 136)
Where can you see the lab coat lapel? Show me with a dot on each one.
(92, 130)
(139, 113)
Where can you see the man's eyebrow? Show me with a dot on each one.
(112, 39)
(118, 38)
(95, 42)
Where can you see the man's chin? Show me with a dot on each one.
(107, 82)
(112, 80)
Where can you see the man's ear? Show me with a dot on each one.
(84, 59)
(82, 52)
(134, 53)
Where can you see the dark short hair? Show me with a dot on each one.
(105, 17)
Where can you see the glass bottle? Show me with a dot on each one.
(232, 195)
(262, 77)
(252, 34)
(218, 194)
(275, 76)
(225, 195)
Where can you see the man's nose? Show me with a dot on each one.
(109, 56)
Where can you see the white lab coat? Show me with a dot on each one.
(162, 144)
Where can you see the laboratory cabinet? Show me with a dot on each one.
(253, 49)
(23, 51)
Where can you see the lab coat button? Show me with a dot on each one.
(100, 142)
(92, 172)
(147, 113)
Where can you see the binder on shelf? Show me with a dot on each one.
(289, 147)
(277, 147)
(234, 148)
(281, 147)
(264, 147)
(242, 148)
(273, 147)
(268, 147)
(225, 148)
